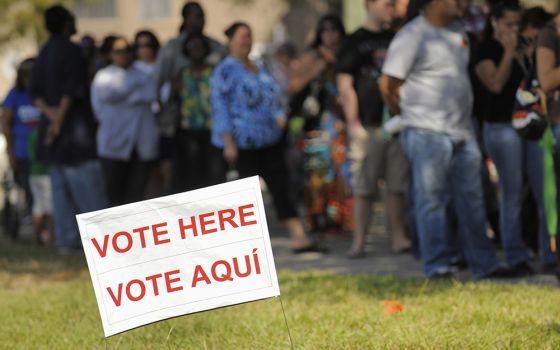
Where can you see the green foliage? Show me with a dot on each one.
(24, 18)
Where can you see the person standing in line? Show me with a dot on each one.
(66, 142)
(19, 119)
(372, 156)
(194, 148)
(327, 190)
(169, 64)
(548, 70)
(501, 65)
(248, 120)
(425, 80)
(127, 138)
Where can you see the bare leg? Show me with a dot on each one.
(362, 219)
(297, 233)
(396, 219)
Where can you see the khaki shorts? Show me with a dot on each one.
(374, 158)
(42, 194)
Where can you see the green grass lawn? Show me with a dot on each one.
(47, 302)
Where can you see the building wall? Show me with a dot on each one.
(260, 14)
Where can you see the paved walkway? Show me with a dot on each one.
(379, 259)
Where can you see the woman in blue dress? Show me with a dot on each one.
(248, 120)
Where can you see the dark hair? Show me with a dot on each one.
(194, 37)
(332, 19)
(288, 49)
(536, 17)
(154, 42)
(232, 29)
(107, 44)
(189, 7)
(56, 19)
(414, 9)
(498, 10)
(19, 79)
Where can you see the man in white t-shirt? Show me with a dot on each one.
(425, 80)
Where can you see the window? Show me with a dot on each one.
(150, 9)
(95, 8)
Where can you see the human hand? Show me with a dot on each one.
(509, 42)
(356, 129)
(281, 123)
(230, 153)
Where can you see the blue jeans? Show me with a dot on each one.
(445, 169)
(506, 149)
(76, 189)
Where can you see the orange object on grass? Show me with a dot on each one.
(392, 307)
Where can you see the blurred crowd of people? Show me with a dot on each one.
(412, 108)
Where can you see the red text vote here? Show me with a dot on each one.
(222, 221)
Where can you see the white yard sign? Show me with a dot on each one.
(179, 254)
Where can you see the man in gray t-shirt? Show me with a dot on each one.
(425, 80)
(432, 61)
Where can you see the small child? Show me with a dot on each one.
(40, 184)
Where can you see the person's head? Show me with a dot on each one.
(23, 79)
(532, 21)
(60, 21)
(146, 46)
(193, 18)
(329, 32)
(446, 11)
(196, 48)
(380, 11)
(401, 7)
(464, 6)
(285, 54)
(240, 39)
(503, 20)
(87, 43)
(121, 53)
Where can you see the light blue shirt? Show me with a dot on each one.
(121, 99)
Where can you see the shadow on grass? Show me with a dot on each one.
(333, 287)
(26, 257)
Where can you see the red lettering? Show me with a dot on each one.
(116, 300)
(183, 228)
(169, 280)
(102, 252)
(157, 233)
(128, 245)
(140, 232)
(243, 215)
(154, 278)
(204, 222)
(203, 277)
(142, 290)
(222, 218)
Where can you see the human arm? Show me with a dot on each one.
(494, 77)
(349, 102)
(389, 87)
(222, 124)
(309, 67)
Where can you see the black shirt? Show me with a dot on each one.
(499, 107)
(61, 70)
(362, 55)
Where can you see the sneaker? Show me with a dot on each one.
(311, 248)
(442, 276)
(523, 269)
(500, 272)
